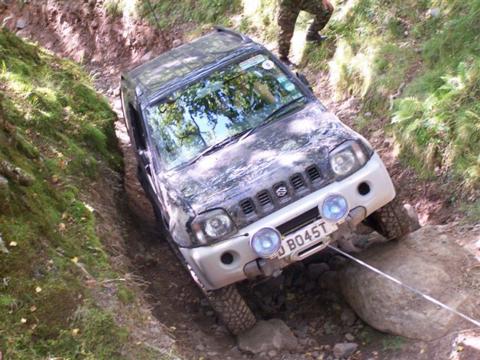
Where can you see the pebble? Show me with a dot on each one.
(200, 347)
(3, 182)
(3, 247)
(349, 337)
(176, 43)
(272, 353)
(344, 350)
(273, 334)
(21, 23)
(434, 12)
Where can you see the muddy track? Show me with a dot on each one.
(305, 296)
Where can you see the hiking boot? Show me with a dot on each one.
(315, 37)
(287, 62)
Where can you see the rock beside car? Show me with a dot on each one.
(344, 350)
(428, 260)
(267, 336)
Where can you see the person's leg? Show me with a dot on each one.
(287, 17)
(323, 12)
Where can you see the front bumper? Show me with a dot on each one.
(213, 273)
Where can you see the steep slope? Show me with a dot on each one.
(59, 168)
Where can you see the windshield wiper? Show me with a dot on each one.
(216, 146)
(274, 115)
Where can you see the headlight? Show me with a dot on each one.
(212, 225)
(266, 242)
(347, 158)
(334, 208)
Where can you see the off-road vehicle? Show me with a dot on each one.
(245, 168)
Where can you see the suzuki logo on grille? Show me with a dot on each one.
(281, 191)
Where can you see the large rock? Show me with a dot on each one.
(428, 260)
(268, 335)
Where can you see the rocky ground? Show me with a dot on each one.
(308, 313)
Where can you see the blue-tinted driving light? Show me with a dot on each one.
(334, 208)
(266, 242)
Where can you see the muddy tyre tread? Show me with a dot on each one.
(232, 309)
(391, 221)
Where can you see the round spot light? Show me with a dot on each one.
(266, 242)
(334, 208)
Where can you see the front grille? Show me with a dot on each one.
(247, 206)
(299, 221)
(297, 181)
(313, 173)
(264, 198)
(281, 192)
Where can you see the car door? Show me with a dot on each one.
(138, 135)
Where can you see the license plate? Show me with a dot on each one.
(305, 237)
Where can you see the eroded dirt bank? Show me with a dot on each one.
(306, 296)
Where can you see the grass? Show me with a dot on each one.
(59, 131)
(165, 14)
(438, 119)
(419, 71)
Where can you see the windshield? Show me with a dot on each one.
(232, 100)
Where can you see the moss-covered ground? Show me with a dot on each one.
(58, 133)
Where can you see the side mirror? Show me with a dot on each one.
(304, 80)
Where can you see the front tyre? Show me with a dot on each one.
(391, 221)
(232, 309)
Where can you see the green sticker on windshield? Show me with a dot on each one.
(244, 65)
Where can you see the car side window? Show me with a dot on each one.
(137, 128)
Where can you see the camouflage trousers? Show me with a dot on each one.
(287, 17)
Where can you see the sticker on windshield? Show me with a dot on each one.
(247, 64)
(268, 65)
(289, 86)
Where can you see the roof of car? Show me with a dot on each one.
(184, 60)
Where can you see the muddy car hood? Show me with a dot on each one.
(271, 154)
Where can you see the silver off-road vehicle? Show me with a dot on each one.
(245, 168)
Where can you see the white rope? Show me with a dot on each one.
(418, 292)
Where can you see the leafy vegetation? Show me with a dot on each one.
(57, 133)
(416, 63)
